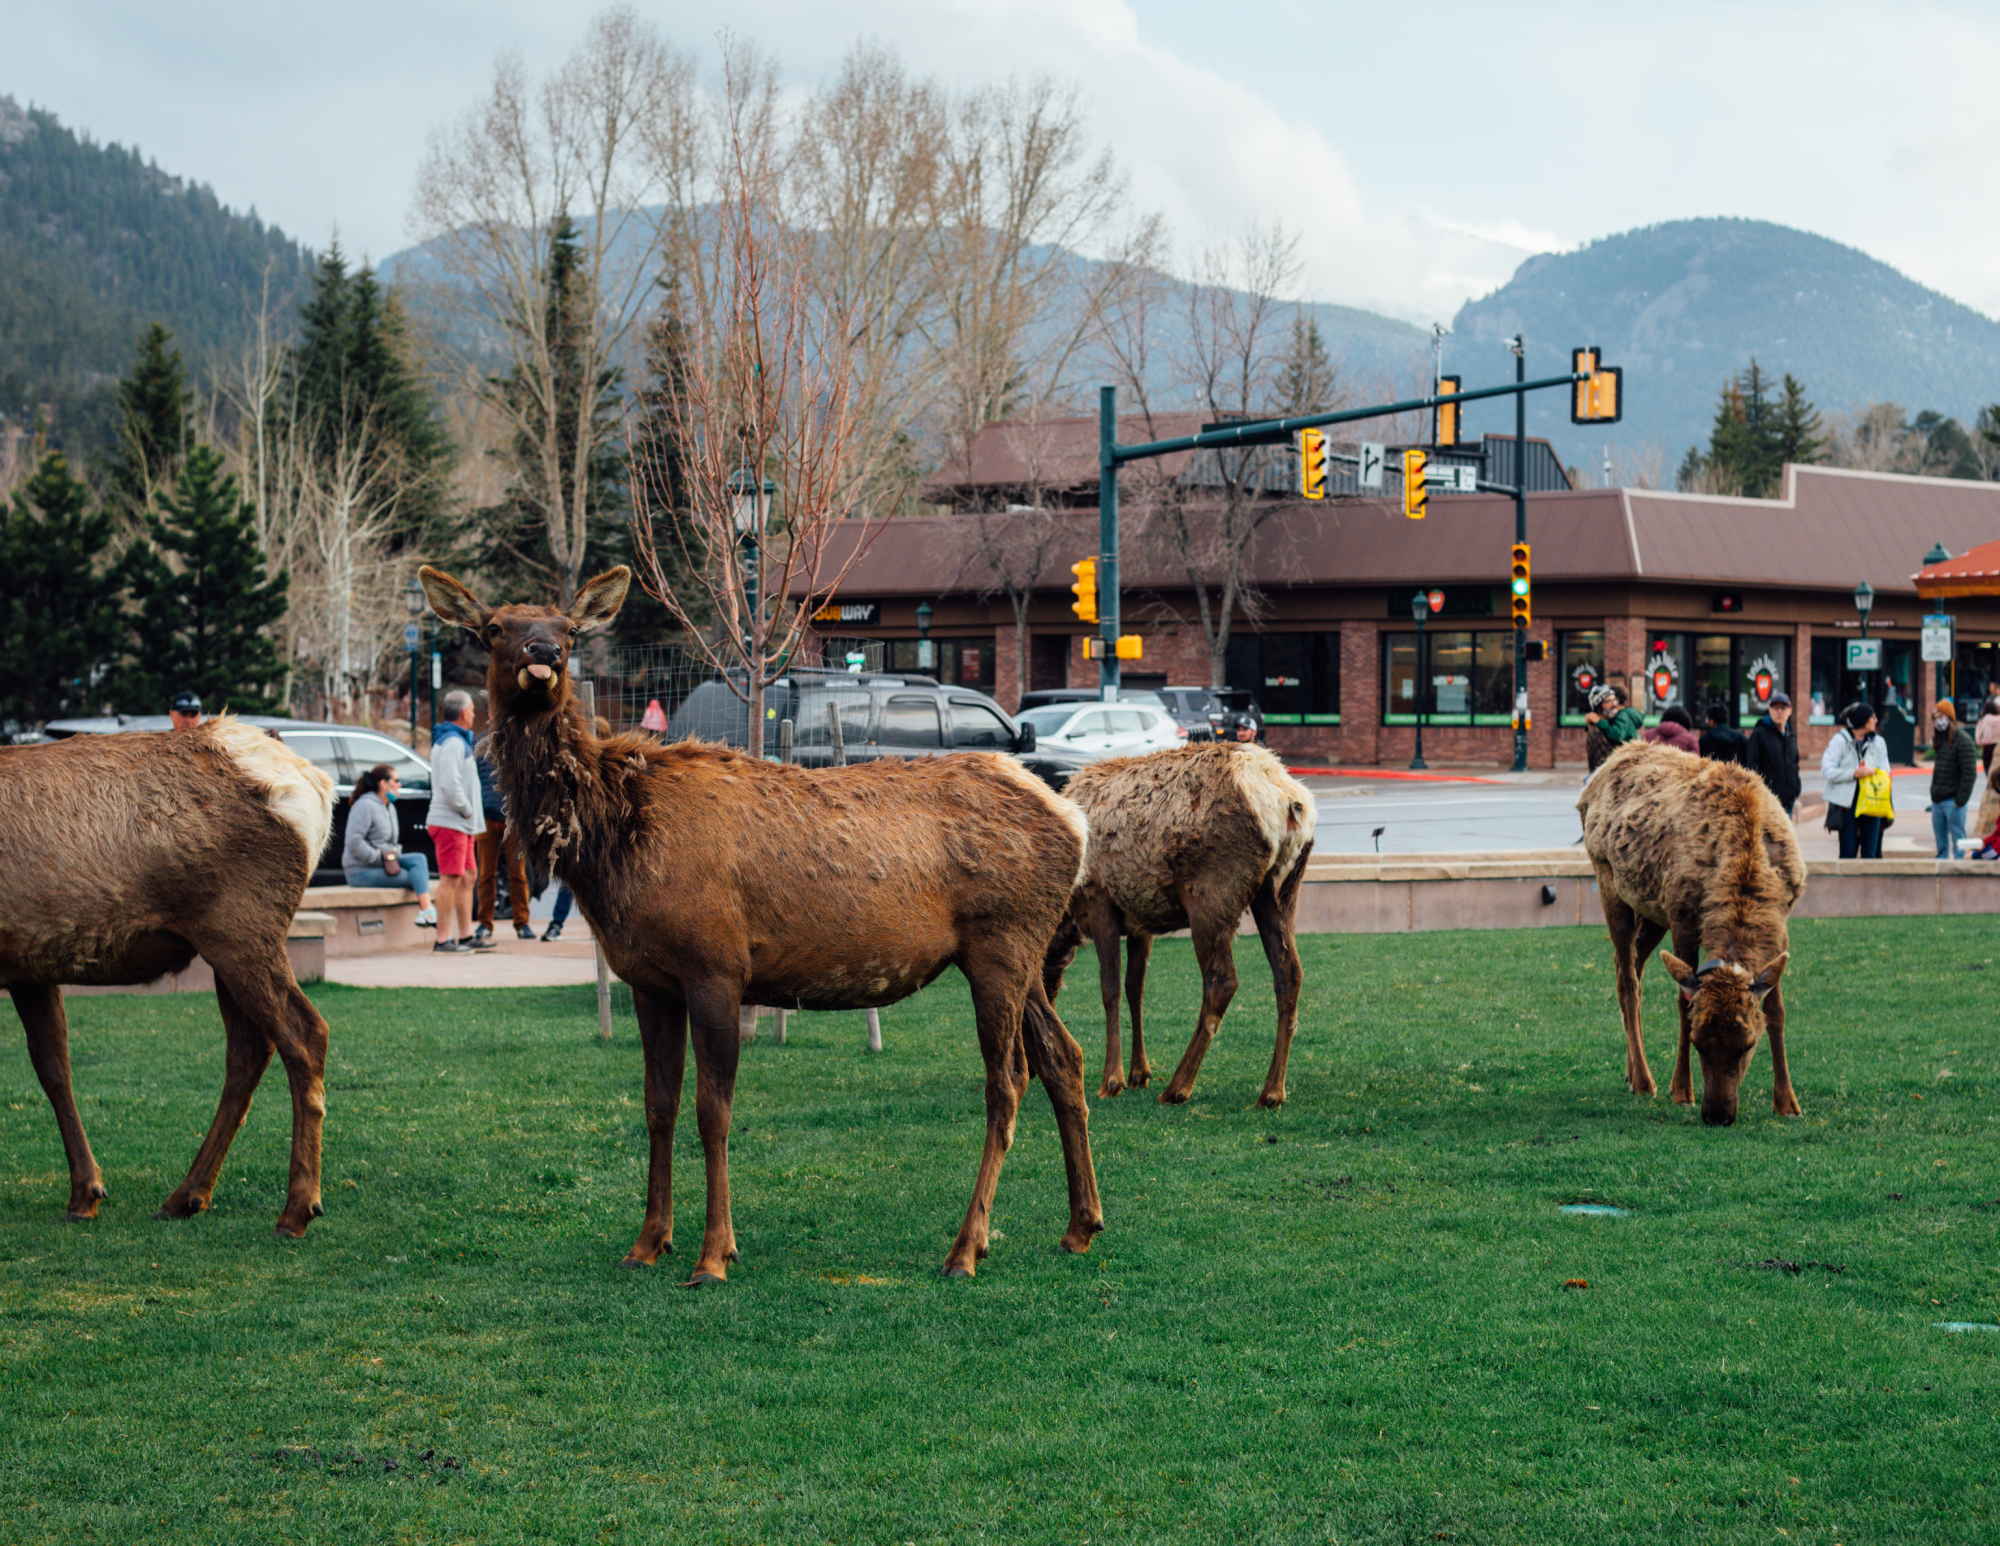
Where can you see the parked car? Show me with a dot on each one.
(881, 715)
(344, 752)
(1203, 709)
(1097, 730)
(1042, 697)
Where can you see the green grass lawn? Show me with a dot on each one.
(1343, 1321)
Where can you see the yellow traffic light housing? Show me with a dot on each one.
(1085, 587)
(1600, 397)
(1129, 645)
(1312, 464)
(1415, 496)
(1521, 587)
(1444, 426)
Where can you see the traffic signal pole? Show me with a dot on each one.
(1520, 535)
(1107, 540)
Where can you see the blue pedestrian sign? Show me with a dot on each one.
(410, 637)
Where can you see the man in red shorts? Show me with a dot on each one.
(454, 819)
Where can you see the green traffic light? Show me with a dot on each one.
(1521, 585)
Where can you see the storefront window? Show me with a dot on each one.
(1295, 676)
(1891, 686)
(1582, 656)
(1710, 679)
(1463, 679)
(1978, 671)
(1761, 670)
(1666, 673)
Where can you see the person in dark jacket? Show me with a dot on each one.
(1953, 773)
(496, 844)
(1675, 729)
(1721, 741)
(1773, 752)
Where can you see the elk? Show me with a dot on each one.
(121, 858)
(1702, 849)
(715, 879)
(1189, 839)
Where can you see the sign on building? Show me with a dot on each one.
(1937, 637)
(1864, 654)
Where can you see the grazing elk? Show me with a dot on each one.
(1702, 849)
(122, 857)
(716, 879)
(1189, 839)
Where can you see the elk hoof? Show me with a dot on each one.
(317, 1210)
(953, 1270)
(81, 1216)
(1109, 1089)
(97, 1191)
(1271, 1102)
(180, 1208)
(705, 1279)
(633, 1261)
(283, 1231)
(1138, 1079)
(1173, 1097)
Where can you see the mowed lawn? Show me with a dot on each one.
(1343, 1321)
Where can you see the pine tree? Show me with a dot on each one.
(1728, 441)
(350, 368)
(1307, 381)
(60, 608)
(205, 607)
(1798, 426)
(154, 405)
(1745, 452)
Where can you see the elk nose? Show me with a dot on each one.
(543, 653)
(1718, 1116)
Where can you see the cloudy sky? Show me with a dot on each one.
(1420, 151)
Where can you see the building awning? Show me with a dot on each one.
(1976, 573)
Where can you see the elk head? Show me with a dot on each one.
(1725, 1004)
(531, 646)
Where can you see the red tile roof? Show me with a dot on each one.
(1976, 573)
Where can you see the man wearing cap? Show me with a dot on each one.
(1609, 724)
(1774, 752)
(185, 712)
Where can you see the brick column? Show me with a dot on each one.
(1082, 673)
(1007, 683)
(1625, 657)
(1542, 698)
(1360, 694)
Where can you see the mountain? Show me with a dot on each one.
(1683, 306)
(95, 243)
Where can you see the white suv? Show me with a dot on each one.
(1104, 729)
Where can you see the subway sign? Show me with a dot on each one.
(849, 612)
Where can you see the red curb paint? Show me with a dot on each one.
(1400, 773)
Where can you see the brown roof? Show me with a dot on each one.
(1976, 573)
(1052, 453)
(1833, 529)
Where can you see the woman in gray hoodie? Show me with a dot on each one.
(373, 853)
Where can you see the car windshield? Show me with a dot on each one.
(1047, 719)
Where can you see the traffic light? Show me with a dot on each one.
(1415, 495)
(1312, 464)
(1444, 427)
(1520, 585)
(1600, 397)
(1085, 586)
(1129, 645)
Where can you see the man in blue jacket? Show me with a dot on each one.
(496, 843)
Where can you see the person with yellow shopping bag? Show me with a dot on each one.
(1859, 804)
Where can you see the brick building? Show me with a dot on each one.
(1678, 598)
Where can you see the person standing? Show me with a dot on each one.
(1854, 751)
(1610, 723)
(497, 844)
(454, 820)
(1954, 770)
(1772, 752)
(1986, 734)
(1722, 741)
(184, 713)
(1675, 729)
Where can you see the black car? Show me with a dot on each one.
(1204, 709)
(880, 714)
(344, 752)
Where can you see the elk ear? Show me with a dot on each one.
(600, 599)
(452, 601)
(1680, 971)
(1767, 979)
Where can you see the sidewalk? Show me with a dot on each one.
(512, 963)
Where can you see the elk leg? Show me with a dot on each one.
(663, 1043)
(1628, 961)
(1106, 941)
(40, 1007)
(270, 1000)
(1687, 945)
(1139, 951)
(997, 997)
(248, 1054)
(1276, 909)
(1214, 949)
(712, 1023)
(1783, 1101)
(1058, 1062)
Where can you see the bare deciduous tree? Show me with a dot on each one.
(763, 391)
(599, 141)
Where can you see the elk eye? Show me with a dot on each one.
(492, 630)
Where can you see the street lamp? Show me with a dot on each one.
(413, 603)
(1420, 609)
(1864, 603)
(924, 653)
(750, 510)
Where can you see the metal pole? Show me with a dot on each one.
(413, 695)
(1417, 763)
(1107, 540)
(1521, 535)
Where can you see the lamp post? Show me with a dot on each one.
(1864, 603)
(1420, 609)
(1947, 670)
(413, 603)
(925, 655)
